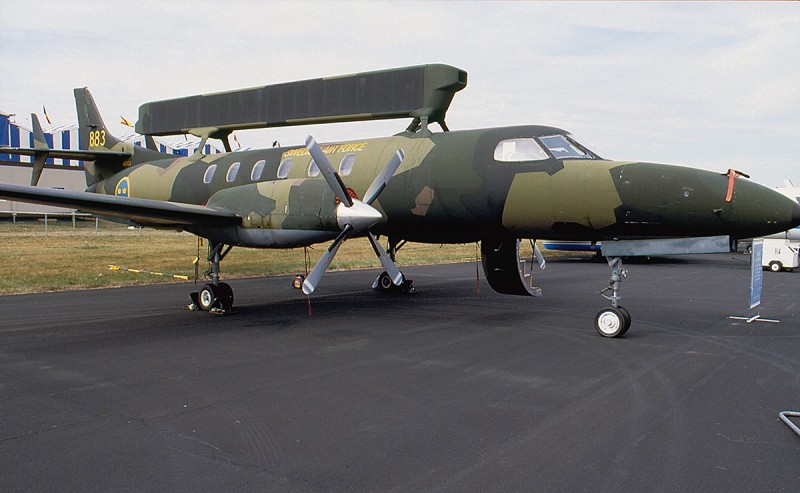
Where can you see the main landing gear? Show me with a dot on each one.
(615, 320)
(384, 281)
(214, 297)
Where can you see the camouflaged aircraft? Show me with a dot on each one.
(495, 186)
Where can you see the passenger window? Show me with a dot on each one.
(284, 167)
(313, 169)
(209, 174)
(516, 150)
(346, 166)
(258, 170)
(232, 172)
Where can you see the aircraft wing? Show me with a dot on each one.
(143, 211)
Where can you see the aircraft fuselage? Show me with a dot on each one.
(456, 187)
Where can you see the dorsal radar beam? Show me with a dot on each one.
(423, 93)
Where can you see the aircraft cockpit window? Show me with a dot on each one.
(232, 172)
(258, 170)
(313, 169)
(346, 166)
(209, 174)
(284, 167)
(517, 150)
(563, 148)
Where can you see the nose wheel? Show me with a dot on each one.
(612, 321)
(615, 320)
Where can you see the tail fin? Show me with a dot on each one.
(94, 136)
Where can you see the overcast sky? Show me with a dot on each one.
(712, 85)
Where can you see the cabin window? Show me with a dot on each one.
(516, 150)
(313, 169)
(563, 148)
(346, 166)
(232, 172)
(258, 170)
(209, 174)
(284, 167)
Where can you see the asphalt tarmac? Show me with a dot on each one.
(449, 389)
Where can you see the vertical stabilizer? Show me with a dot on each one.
(94, 136)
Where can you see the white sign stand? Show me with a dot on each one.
(756, 282)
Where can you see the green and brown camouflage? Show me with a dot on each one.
(485, 185)
(452, 188)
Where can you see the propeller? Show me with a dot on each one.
(353, 216)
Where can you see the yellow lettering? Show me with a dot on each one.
(328, 149)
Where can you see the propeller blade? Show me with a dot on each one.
(388, 265)
(383, 177)
(310, 284)
(330, 175)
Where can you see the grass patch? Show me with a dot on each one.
(61, 256)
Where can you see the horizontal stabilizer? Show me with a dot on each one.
(422, 91)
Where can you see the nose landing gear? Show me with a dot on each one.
(615, 320)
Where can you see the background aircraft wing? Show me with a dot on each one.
(75, 154)
(143, 211)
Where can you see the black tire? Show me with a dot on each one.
(208, 297)
(775, 266)
(225, 295)
(627, 315)
(610, 322)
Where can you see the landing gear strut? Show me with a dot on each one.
(615, 320)
(216, 296)
(384, 281)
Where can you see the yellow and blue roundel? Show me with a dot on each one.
(123, 188)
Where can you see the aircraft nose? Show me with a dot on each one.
(678, 201)
(764, 209)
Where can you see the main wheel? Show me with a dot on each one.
(611, 322)
(775, 266)
(207, 297)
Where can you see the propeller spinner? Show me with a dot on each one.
(354, 216)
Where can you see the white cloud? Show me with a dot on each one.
(702, 83)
